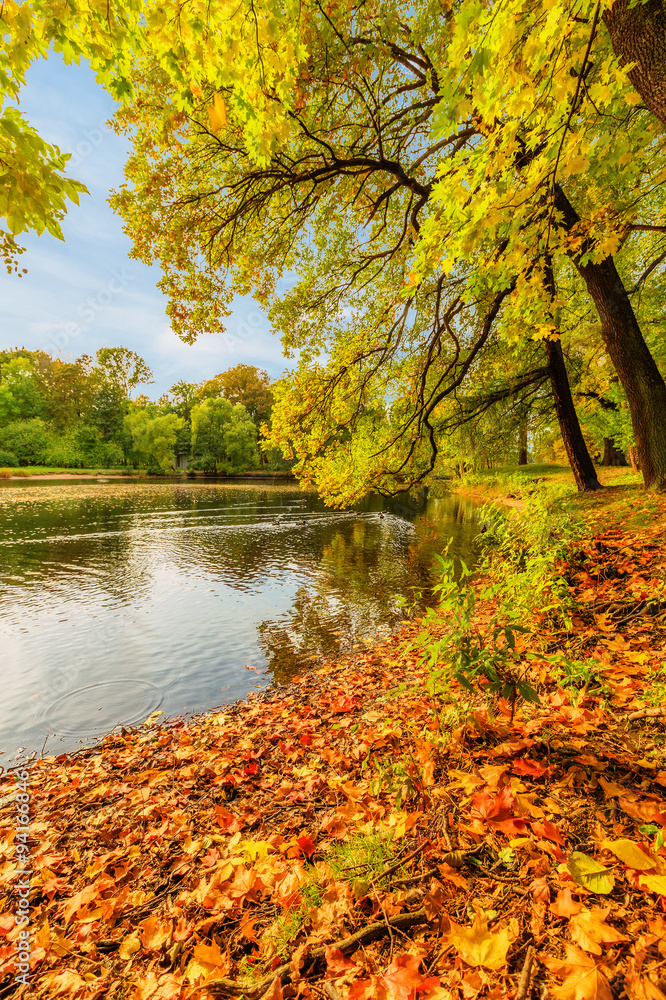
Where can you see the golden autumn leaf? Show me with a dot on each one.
(129, 946)
(630, 853)
(64, 983)
(590, 873)
(582, 978)
(655, 883)
(217, 113)
(565, 905)
(154, 933)
(590, 930)
(478, 945)
(207, 961)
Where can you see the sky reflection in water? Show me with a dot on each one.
(120, 598)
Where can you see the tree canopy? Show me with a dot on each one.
(438, 190)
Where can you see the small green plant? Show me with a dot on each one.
(286, 925)
(483, 659)
(655, 687)
(362, 857)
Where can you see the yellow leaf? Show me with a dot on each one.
(479, 946)
(154, 933)
(63, 983)
(207, 961)
(630, 853)
(590, 930)
(217, 112)
(590, 874)
(655, 883)
(254, 849)
(129, 945)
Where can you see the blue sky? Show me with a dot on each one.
(86, 293)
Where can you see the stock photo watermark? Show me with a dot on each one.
(23, 874)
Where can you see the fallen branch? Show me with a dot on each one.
(254, 989)
(647, 713)
(526, 974)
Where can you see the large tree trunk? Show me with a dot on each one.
(638, 35)
(522, 440)
(581, 464)
(609, 451)
(641, 380)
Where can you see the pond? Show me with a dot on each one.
(121, 598)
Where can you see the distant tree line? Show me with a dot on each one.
(81, 414)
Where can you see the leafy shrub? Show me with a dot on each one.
(8, 460)
(27, 440)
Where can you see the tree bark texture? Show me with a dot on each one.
(638, 35)
(641, 379)
(522, 440)
(581, 464)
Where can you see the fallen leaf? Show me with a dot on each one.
(583, 978)
(154, 933)
(590, 873)
(306, 844)
(655, 883)
(336, 962)
(590, 930)
(477, 945)
(565, 905)
(630, 853)
(403, 979)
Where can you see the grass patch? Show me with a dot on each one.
(45, 470)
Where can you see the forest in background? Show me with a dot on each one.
(80, 414)
(88, 413)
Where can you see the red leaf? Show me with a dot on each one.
(404, 980)
(531, 768)
(336, 962)
(549, 831)
(306, 845)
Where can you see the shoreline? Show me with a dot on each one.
(130, 477)
(353, 824)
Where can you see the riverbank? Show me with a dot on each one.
(130, 476)
(357, 834)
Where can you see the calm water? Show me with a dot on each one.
(120, 598)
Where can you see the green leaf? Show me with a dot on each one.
(590, 874)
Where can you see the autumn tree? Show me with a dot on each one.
(123, 369)
(244, 384)
(223, 436)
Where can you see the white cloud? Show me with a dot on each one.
(86, 293)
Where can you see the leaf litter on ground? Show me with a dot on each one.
(336, 838)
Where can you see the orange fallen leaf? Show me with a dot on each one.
(403, 980)
(565, 905)
(590, 930)
(583, 978)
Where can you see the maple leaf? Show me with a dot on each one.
(531, 768)
(207, 962)
(565, 905)
(80, 899)
(336, 962)
(165, 986)
(590, 930)
(477, 945)
(155, 933)
(64, 983)
(306, 845)
(497, 810)
(403, 980)
(583, 978)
